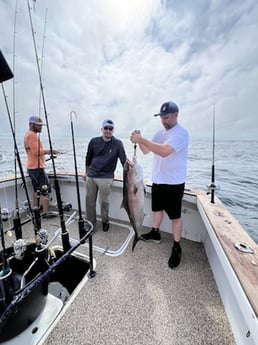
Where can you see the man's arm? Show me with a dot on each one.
(147, 145)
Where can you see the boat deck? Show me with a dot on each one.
(135, 298)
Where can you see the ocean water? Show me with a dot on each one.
(236, 175)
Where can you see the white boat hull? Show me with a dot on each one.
(235, 287)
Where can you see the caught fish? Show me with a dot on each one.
(133, 195)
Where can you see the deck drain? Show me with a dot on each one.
(34, 330)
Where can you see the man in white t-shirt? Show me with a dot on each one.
(170, 147)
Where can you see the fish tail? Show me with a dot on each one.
(136, 239)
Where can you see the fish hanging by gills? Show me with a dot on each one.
(133, 195)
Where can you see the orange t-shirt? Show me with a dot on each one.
(34, 150)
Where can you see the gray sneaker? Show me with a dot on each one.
(152, 236)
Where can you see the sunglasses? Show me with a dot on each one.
(108, 128)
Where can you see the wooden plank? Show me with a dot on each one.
(229, 232)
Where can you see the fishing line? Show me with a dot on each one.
(64, 233)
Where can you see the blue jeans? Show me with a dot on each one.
(98, 187)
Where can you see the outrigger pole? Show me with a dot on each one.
(64, 232)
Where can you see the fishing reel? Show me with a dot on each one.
(43, 235)
(212, 187)
(19, 247)
(44, 190)
(66, 206)
(5, 214)
(25, 205)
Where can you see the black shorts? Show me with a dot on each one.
(168, 198)
(39, 179)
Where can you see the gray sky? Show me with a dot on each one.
(121, 59)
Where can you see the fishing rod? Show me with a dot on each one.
(5, 272)
(81, 220)
(42, 55)
(38, 191)
(212, 185)
(36, 229)
(6, 74)
(64, 232)
(81, 223)
(5, 267)
(12, 307)
(16, 219)
(6, 281)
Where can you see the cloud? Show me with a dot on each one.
(122, 59)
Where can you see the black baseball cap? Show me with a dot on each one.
(167, 108)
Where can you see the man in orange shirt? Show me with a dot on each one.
(36, 163)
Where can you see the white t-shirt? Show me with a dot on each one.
(173, 168)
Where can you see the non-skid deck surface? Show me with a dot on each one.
(135, 298)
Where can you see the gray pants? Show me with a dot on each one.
(93, 186)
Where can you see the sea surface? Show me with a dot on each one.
(235, 163)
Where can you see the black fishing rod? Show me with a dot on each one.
(6, 281)
(64, 232)
(42, 55)
(83, 229)
(38, 191)
(36, 229)
(5, 267)
(17, 218)
(81, 220)
(212, 185)
(5, 75)
(5, 272)
(12, 307)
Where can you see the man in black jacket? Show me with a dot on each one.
(100, 164)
